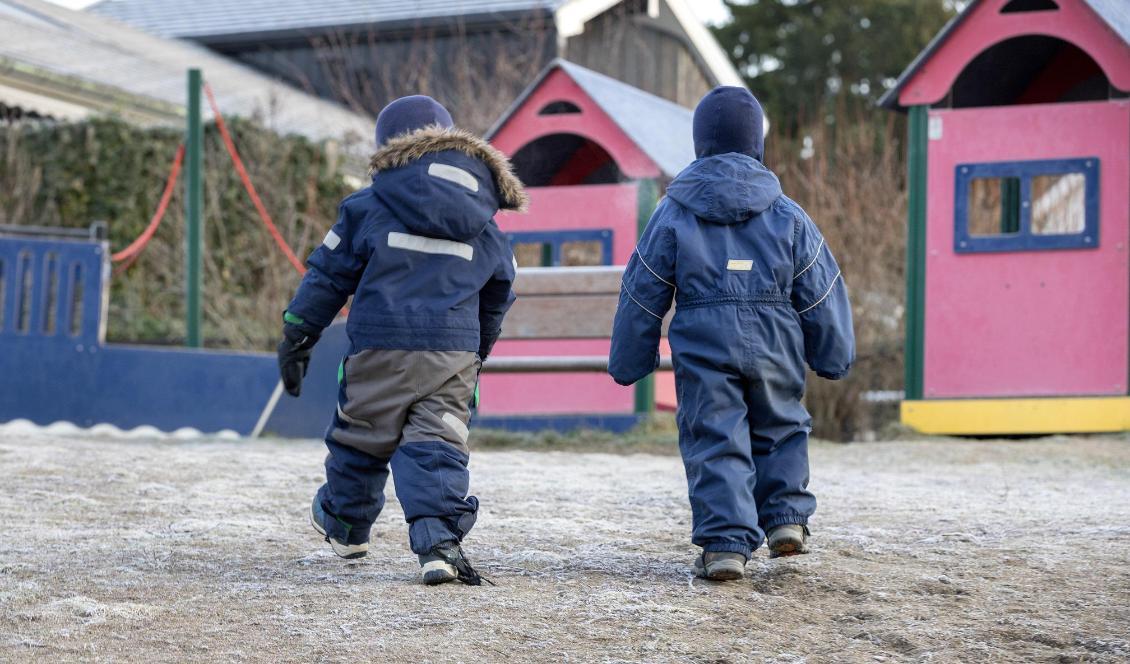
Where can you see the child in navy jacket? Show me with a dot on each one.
(431, 275)
(758, 294)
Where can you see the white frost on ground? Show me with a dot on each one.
(26, 428)
(165, 550)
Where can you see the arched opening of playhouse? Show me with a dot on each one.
(565, 159)
(1030, 69)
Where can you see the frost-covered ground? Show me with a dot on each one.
(956, 551)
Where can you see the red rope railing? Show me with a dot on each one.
(247, 184)
(130, 253)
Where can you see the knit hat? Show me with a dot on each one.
(729, 119)
(408, 114)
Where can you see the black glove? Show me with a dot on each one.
(294, 357)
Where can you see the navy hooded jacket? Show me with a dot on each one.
(756, 288)
(419, 250)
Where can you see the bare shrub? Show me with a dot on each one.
(476, 73)
(849, 177)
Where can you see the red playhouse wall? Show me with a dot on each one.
(576, 207)
(568, 207)
(985, 26)
(1028, 323)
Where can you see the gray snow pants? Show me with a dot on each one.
(407, 411)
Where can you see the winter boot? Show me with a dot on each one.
(318, 519)
(720, 566)
(446, 562)
(790, 539)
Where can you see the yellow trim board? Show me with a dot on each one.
(1018, 416)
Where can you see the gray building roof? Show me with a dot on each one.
(73, 61)
(1115, 13)
(662, 129)
(211, 18)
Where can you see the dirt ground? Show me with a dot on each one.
(949, 551)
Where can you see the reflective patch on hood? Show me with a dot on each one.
(453, 174)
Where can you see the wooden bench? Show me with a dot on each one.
(562, 302)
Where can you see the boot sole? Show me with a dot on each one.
(347, 551)
(437, 572)
(787, 549)
(724, 571)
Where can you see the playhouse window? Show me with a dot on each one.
(562, 248)
(1059, 204)
(560, 107)
(994, 206)
(1027, 205)
(1018, 6)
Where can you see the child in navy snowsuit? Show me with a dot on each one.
(430, 274)
(757, 295)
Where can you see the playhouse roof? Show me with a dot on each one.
(660, 128)
(1115, 13)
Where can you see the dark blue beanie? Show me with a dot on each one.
(409, 114)
(729, 119)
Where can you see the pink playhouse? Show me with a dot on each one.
(595, 153)
(1018, 280)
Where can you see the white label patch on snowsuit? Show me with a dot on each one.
(456, 425)
(332, 240)
(739, 265)
(453, 174)
(430, 245)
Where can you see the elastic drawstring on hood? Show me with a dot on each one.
(725, 189)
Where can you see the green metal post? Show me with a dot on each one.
(915, 252)
(648, 198)
(194, 210)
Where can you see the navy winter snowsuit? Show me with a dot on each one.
(757, 294)
(431, 276)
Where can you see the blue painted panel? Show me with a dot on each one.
(1025, 239)
(65, 276)
(45, 382)
(562, 423)
(555, 239)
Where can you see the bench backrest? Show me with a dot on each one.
(565, 303)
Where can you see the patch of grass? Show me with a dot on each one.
(657, 435)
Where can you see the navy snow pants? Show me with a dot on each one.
(743, 435)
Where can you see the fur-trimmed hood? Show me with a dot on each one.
(405, 149)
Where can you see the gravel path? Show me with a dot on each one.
(952, 551)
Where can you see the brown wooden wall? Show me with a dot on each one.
(652, 54)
